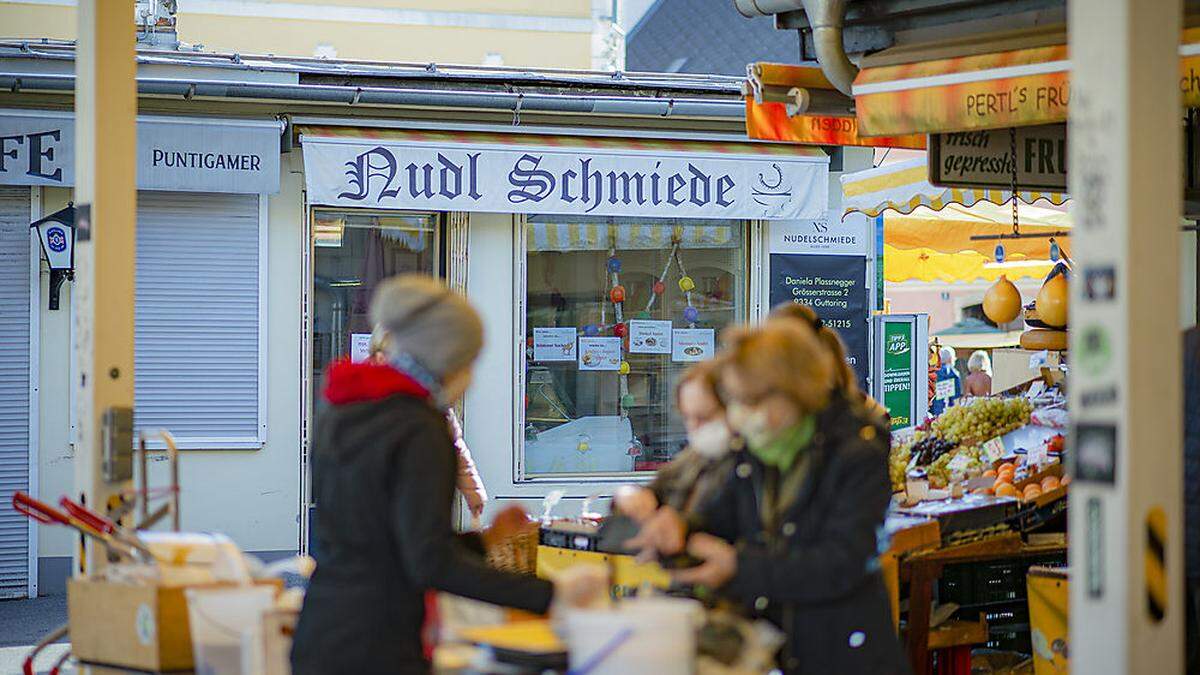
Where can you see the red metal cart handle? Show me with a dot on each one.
(39, 511)
(87, 516)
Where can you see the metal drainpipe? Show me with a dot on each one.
(826, 17)
(658, 106)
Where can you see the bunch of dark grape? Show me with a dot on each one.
(929, 449)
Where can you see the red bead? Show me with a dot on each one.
(619, 330)
(659, 288)
(617, 294)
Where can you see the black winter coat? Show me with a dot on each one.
(816, 576)
(384, 475)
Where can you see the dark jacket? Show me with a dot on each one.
(689, 480)
(383, 476)
(816, 576)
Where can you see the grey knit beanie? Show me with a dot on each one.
(435, 326)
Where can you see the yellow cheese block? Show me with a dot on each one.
(1038, 339)
(628, 574)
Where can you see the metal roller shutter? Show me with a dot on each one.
(15, 351)
(197, 318)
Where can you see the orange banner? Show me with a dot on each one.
(989, 91)
(770, 122)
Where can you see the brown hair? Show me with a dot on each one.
(706, 373)
(781, 357)
(844, 377)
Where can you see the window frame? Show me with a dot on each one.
(753, 238)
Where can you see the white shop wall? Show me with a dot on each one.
(251, 495)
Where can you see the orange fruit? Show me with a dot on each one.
(1050, 483)
(1005, 477)
(1005, 490)
(1032, 491)
(1007, 466)
(990, 473)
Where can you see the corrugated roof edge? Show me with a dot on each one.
(717, 85)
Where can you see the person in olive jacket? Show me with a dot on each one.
(384, 475)
(793, 536)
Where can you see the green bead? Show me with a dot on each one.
(627, 401)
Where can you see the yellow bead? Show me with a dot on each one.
(686, 284)
(624, 370)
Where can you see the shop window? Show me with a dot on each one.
(352, 252)
(615, 310)
(198, 349)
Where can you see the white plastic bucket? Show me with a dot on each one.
(640, 635)
(226, 627)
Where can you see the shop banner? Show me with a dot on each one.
(769, 121)
(173, 153)
(602, 181)
(823, 264)
(834, 286)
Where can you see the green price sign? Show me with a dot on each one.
(898, 372)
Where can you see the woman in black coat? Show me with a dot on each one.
(384, 477)
(793, 535)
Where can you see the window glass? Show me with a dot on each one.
(352, 253)
(616, 309)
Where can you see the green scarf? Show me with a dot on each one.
(781, 452)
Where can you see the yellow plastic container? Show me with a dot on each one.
(628, 574)
(1049, 600)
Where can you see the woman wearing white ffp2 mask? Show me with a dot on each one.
(694, 474)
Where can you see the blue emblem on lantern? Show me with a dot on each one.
(56, 239)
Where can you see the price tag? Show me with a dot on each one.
(944, 390)
(1035, 390)
(1039, 360)
(994, 449)
(1036, 456)
(960, 463)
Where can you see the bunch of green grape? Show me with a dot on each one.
(939, 470)
(898, 464)
(982, 419)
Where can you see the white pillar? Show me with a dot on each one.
(1126, 140)
(105, 194)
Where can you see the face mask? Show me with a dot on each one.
(711, 439)
(751, 423)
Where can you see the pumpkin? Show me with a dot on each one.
(1002, 302)
(1052, 301)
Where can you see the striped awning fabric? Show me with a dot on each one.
(1006, 81)
(599, 236)
(904, 186)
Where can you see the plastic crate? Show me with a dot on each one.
(987, 583)
(1010, 640)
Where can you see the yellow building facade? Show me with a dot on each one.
(559, 33)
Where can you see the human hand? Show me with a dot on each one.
(636, 502)
(510, 522)
(718, 566)
(475, 504)
(664, 533)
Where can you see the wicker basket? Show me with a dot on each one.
(517, 553)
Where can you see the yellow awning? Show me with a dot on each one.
(981, 84)
(927, 264)
(950, 230)
(904, 187)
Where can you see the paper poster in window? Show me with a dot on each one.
(554, 344)
(600, 353)
(649, 337)
(360, 346)
(693, 344)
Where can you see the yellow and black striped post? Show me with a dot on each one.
(1156, 564)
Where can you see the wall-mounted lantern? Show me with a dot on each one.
(56, 232)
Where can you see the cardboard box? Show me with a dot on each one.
(1049, 603)
(143, 627)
